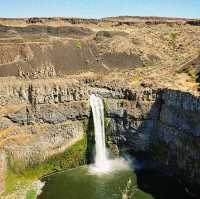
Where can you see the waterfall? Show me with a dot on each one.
(101, 161)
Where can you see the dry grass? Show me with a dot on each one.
(13, 134)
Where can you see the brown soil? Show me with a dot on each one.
(164, 54)
(67, 58)
(121, 60)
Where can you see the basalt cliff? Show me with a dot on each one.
(146, 70)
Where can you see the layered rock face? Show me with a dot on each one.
(38, 121)
(131, 115)
(42, 118)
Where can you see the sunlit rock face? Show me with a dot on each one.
(2, 171)
(42, 119)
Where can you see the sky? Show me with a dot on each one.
(99, 8)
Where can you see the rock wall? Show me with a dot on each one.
(39, 120)
(131, 115)
(43, 118)
(176, 141)
(2, 172)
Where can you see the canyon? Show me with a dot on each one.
(148, 81)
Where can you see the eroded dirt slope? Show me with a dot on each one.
(151, 50)
(44, 49)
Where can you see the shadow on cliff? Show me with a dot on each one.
(90, 140)
(160, 186)
(150, 178)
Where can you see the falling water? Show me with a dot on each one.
(101, 161)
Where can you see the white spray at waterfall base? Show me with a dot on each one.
(102, 163)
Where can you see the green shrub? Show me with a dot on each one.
(173, 35)
(78, 44)
(173, 38)
(137, 78)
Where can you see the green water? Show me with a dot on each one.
(81, 184)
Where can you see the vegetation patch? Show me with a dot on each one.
(137, 78)
(173, 39)
(75, 156)
(78, 44)
(31, 194)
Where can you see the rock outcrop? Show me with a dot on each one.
(45, 142)
(177, 136)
